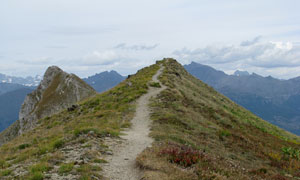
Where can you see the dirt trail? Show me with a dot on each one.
(122, 161)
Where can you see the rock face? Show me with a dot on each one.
(57, 91)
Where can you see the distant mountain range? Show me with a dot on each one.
(104, 81)
(8, 87)
(277, 101)
(12, 94)
(10, 104)
(28, 81)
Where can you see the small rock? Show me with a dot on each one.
(108, 153)
(91, 133)
(73, 107)
(288, 175)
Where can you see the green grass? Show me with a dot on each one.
(23, 146)
(6, 172)
(65, 168)
(36, 176)
(155, 84)
(3, 164)
(58, 143)
(86, 171)
(190, 113)
(100, 161)
(36, 171)
(100, 116)
(232, 142)
(40, 167)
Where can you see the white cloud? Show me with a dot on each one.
(124, 46)
(251, 42)
(251, 53)
(101, 58)
(38, 61)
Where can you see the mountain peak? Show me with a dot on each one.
(241, 73)
(105, 80)
(52, 70)
(57, 91)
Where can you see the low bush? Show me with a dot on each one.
(182, 155)
(224, 133)
(23, 146)
(58, 143)
(154, 84)
(290, 152)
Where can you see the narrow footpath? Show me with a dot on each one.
(122, 164)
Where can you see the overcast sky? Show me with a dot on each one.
(90, 36)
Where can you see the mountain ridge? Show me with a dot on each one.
(267, 97)
(198, 134)
(104, 80)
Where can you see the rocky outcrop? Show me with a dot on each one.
(9, 133)
(57, 91)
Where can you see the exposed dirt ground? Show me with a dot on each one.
(122, 164)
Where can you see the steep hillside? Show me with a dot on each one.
(58, 90)
(271, 99)
(201, 134)
(198, 134)
(10, 104)
(71, 144)
(104, 81)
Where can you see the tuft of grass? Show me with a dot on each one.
(3, 164)
(23, 146)
(290, 152)
(86, 171)
(224, 133)
(40, 167)
(65, 168)
(6, 172)
(100, 161)
(36, 171)
(36, 176)
(155, 84)
(58, 143)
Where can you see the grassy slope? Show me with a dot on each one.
(104, 114)
(229, 141)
